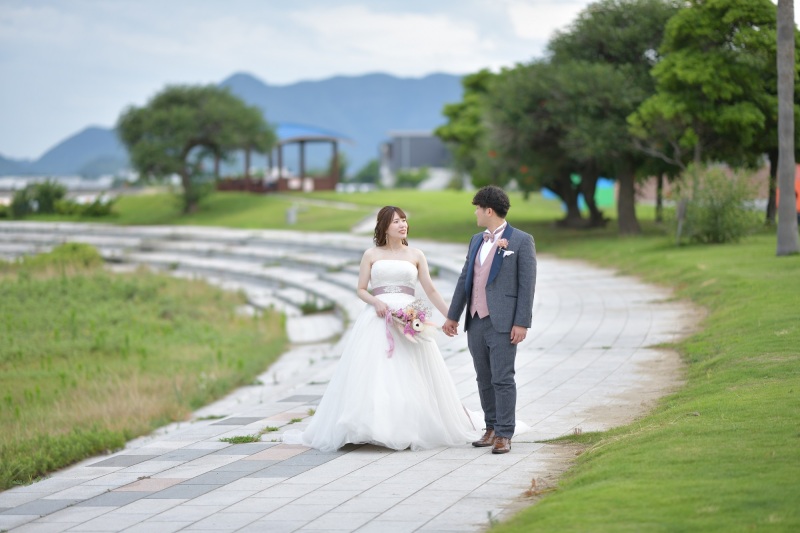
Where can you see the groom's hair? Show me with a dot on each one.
(494, 197)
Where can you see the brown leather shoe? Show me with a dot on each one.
(486, 440)
(501, 445)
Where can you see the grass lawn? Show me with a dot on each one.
(721, 454)
(230, 209)
(90, 359)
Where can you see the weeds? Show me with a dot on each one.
(241, 439)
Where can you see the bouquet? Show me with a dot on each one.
(411, 322)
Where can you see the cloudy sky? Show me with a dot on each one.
(68, 65)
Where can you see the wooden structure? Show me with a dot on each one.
(277, 179)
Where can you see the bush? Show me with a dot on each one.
(713, 205)
(410, 179)
(100, 207)
(22, 203)
(37, 198)
(50, 197)
(47, 193)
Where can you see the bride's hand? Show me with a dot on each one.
(381, 308)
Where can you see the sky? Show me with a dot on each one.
(68, 65)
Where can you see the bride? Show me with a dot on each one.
(390, 389)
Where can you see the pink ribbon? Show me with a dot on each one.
(389, 335)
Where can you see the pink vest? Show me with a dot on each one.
(480, 274)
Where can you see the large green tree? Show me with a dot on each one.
(716, 97)
(787, 216)
(523, 131)
(608, 51)
(182, 124)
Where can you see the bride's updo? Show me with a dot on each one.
(384, 219)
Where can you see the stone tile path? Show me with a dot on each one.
(588, 364)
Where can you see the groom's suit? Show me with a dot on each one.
(508, 298)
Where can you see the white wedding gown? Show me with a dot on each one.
(406, 400)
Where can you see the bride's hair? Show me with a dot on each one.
(384, 219)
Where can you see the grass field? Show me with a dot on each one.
(721, 454)
(90, 359)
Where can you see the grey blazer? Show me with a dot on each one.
(511, 283)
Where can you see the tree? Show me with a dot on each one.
(369, 173)
(716, 96)
(526, 133)
(787, 214)
(465, 131)
(616, 42)
(182, 124)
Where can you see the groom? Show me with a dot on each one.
(496, 286)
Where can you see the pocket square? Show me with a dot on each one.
(506, 253)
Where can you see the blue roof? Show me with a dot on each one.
(287, 131)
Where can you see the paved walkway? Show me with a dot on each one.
(586, 365)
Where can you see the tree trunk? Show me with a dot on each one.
(787, 213)
(773, 187)
(216, 166)
(189, 197)
(626, 201)
(588, 187)
(660, 198)
(568, 194)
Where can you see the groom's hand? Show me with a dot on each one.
(518, 334)
(450, 327)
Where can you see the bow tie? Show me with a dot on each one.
(489, 236)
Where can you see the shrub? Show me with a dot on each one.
(50, 197)
(713, 205)
(410, 179)
(22, 203)
(47, 193)
(37, 198)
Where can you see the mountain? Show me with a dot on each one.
(362, 108)
(91, 152)
(12, 166)
(71, 155)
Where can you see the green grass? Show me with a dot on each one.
(241, 439)
(440, 215)
(90, 359)
(230, 209)
(721, 454)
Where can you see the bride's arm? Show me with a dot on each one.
(427, 284)
(363, 282)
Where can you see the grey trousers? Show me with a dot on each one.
(493, 356)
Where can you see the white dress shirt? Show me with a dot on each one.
(486, 247)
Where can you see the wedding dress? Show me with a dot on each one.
(404, 400)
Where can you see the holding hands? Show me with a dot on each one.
(450, 328)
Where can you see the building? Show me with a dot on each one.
(412, 150)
